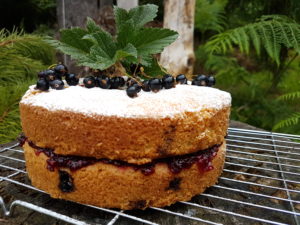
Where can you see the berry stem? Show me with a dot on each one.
(52, 66)
(120, 68)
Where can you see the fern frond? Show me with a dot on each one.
(292, 120)
(209, 15)
(290, 96)
(276, 17)
(270, 33)
(254, 36)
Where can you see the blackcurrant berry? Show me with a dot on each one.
(146, 86)
(138, 87)
(181, 79)
(200, 80)
(42, 75)
(72, 79)
(48, 75)
(42, 84)
(57, 84)
(168, 81)
(117, 82)
(211, 81)
(89, 82)
(103, 82)
(60, 69)
(65, 182)
(155, 84)
(132, 91)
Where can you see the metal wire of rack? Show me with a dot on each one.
(260, 184)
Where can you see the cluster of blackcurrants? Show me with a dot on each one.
(167, 82)
(53, 78)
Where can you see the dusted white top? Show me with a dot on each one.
(112, 102)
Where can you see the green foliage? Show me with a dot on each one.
(209, 15)
(294, 119)
(271, 33)
(10, 96)
(290, 96)
(97, 49)
(255, 61)
(21, 57)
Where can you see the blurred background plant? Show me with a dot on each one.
(21, 57)
(251, 46)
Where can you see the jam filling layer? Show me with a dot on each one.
(176, 164)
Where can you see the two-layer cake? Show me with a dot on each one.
(103, 148)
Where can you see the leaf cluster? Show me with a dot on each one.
(270, 33)
(134, 43)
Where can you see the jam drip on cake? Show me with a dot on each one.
(176, 164)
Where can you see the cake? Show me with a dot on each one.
(101, 147)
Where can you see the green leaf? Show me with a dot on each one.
(100, 59)
(91, 26)
(147, 41)
(97, 59)
(104, 40)
(121, 17)
(73, 38)
(154, 69)
(129, 50)
(71, 43)
(139, 15)
(126, 34)
(153, 40)
(143, 14)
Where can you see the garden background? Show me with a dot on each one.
(251, 46)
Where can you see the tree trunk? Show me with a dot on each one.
(72, 13)
(127, 4)
(179, 57)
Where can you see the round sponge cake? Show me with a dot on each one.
(108, 124)
(103, 148)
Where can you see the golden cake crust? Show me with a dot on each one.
(106, 185)
(134, 140)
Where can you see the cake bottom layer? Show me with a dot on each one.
(111, 186)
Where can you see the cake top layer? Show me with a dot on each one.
(97, 101)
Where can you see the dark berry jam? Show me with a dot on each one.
(201, 158)
(22, 139)
(58, 161)
(175, 164)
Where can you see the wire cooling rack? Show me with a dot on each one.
(260, 184)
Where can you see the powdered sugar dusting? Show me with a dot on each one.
(97, 101)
